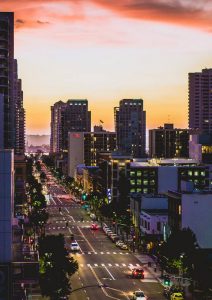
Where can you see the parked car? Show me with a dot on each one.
(119, 242)
(123, 247)
(114, 237)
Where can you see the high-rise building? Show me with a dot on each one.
(6, 78)
(168, 142)
(57, 112)
(85, 146)
(130, 126)
(200, 101)
(19, 112)
(72, 116)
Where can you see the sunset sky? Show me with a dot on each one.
(107, 50)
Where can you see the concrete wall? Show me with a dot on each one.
(75, 151)
(197, 215)
(167, 179)
(154, 202)
(6, 204)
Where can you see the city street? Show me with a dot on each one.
(103, 268)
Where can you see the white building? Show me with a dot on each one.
(196, 213)
(6, 204)
(153, 221)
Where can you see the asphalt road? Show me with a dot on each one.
(100, 261)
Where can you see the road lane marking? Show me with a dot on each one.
(117, 265)
(86, 239)
(119, 291)
(101, 285)
(124, 265)
(109, 265)
(96, 265)
(111, 275)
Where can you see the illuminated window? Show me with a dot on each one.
(138, 190)
(179, 210)
(202, 173)
(189, 173)
(132, 173)
(145, 191)
(139, 181)
(139, 173)
(132, 190)
(145, 182)
(196, 173)
(132, 182)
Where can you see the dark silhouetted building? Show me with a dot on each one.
(72, 116)
(168, 142)
(200, 101)
(130, 126)
(7, 113)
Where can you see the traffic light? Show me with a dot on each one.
(84, 196)
(166, 280)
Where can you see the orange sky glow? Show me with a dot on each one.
(105, 51)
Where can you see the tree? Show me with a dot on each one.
(179, 249)
(55, 267)
(124, 188)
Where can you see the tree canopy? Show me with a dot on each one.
(55, 267)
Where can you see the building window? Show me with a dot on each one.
(202, 173)
(158, 226)
(139, 174)
(132, 173)
(148, 226)
(138, 181)
(138, 190)
(196, 173)
(132, 182)
(145, 182)
(132, 190)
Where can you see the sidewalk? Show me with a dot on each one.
(150, 264)
(153, 268)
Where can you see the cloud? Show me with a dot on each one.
(20, 21)
(41, 22)
(187, 13)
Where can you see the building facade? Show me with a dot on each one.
(6, 204)
(192, 210)
(72, 116)
(130, 126)
(200, 101)
(19, 112)
(147, 178)
(84, 148)
(168, 142)
(6, 78)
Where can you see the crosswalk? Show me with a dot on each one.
(148, 277)
(100, 253)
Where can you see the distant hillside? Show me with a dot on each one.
(38, 140)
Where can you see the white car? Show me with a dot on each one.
(123, 247)
(139, 295)
(75, 246)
